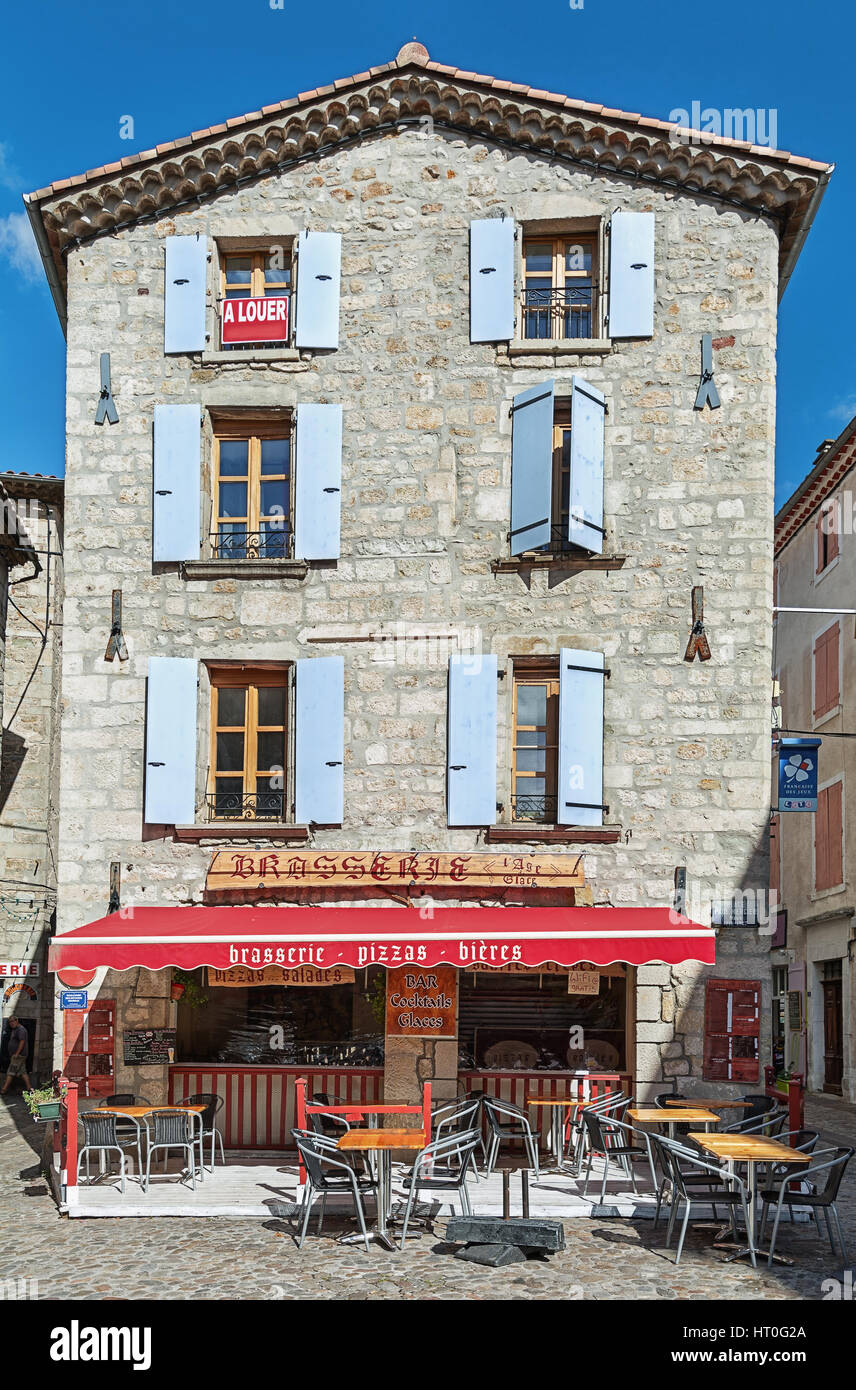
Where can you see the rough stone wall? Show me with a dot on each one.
(425, 504)
(29, 769)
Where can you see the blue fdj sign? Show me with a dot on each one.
(798, 774)
(73, 998)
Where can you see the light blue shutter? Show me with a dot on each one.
(631, 275)
(185, 275)
(491, 280)
(177, 483)
(471, 777)
(171, 741)
(319, 737)
(531, 468)
(318, 482)
(319, 264)
(585, 519)
(580, 790)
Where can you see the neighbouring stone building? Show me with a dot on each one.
(814, 958)
(407, 566)
(31, 549)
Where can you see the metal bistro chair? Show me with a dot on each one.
(100, 1133)
(127, 1128)
(328, 1171)
(576, 1130)
(507, 1121)
(663, 1160)
(767, 1123)
(174, 1129)
(729, 1191)
(331, 1126)
(213, 1105)
(661, 1103)
(441, 1167)
(779, 1194)
(457, 1117)
(612, 1139)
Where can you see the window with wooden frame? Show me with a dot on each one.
(732, 1030)
(827, 536)
(828, 839)
(259, 274)
(560, 294)
(252, 494)
(535, 740)
(827, 685)
(248, 743)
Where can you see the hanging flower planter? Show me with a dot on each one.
(177, 991)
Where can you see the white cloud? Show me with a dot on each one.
(18, 246)
(9, 176)
(844, 410)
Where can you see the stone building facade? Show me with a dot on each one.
(29, 801)
(814, 959)
(398, 163)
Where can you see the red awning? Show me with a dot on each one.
(187, 937)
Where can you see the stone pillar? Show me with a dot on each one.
(411, 1061)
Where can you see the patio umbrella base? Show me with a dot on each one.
(741, 1250)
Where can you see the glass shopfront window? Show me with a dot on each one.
(529, 1021)
(287, 1025)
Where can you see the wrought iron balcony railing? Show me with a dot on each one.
(540, 809)
(558, 313)
(241, 805)
(252, 545)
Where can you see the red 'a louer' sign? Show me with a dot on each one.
(258, 320)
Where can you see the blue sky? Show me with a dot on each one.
(175, 68)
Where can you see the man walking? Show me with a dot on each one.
(19, 1043)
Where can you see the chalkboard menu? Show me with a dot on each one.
(149, 1046)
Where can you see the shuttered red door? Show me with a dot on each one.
(89, 1038)
(732, 1022)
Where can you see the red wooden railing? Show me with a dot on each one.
(795, 1096)
(358, 1111)
(517, 1085)
(259, 1107)
(65, 1137)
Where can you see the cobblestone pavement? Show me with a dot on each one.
(189, 1258)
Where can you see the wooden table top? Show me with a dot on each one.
(369, 1140)
(686, 1114)
(749, 1148)
(135, 1111)
(555, 1100)
(713, 1104)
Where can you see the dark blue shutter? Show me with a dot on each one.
(585, 517)
(318, 482)
(319, 738)
(580, 775)
(177, 483)
(472, 740)
(171, 700)
(185, 276)
(492, 280)
(631, 275)
(531, 468)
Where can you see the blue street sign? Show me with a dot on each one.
(798, 774)
(73, 998)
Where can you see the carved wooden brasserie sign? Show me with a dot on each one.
(231, 870)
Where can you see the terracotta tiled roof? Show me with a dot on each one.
(179, 173)
(413, 54)
(834, 463)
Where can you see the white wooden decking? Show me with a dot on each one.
(267, 1186)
